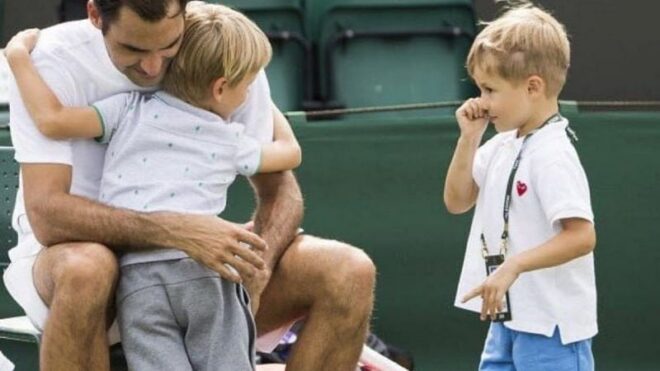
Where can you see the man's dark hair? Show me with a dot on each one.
(148, 10)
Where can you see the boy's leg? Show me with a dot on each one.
(331, 284)
(151, 336)
(497, 354)
(76, 281)
(542, 353)
(218, 329)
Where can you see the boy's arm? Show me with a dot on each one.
(284, 152)
(50, 116)
(461, 191)
(577, 238)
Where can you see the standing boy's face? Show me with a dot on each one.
(508, 104)
(140, 49)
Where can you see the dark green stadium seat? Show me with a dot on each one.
(290, 70)
(8, 186)
(18, 339)
(385, 52)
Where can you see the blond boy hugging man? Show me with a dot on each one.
(533, 223)
(177, 150)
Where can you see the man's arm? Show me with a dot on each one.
(279, 212)
(56, 216)
(279, 209)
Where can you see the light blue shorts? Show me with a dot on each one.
(511, 350)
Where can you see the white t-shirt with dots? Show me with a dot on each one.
(167, 155)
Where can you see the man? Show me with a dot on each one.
(67, 288)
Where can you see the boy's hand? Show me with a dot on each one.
(472, 118)
(22, 43)
(493, 289)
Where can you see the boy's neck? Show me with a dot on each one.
(544, 111)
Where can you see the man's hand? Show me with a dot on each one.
(472, 118)
(255, 286)
(493, 289)
(22, 43)
(214, 242)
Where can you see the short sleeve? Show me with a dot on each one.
(248, 155)
(30, 145)
(112, 111)
(256, 112)
(563, 189)
(482, 160)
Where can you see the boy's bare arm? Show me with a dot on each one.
(460, 192)
(50, 116)
(284, 152)
(577, 238)
(57, 216)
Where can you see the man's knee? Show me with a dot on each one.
(85, 269)
(350, 275)
(355, 266)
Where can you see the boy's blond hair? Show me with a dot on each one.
(217, 42)
(523, 42)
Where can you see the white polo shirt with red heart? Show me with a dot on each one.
(550, 185)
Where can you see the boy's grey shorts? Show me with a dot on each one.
(179, 315)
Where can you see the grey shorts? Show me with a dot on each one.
(179, 315)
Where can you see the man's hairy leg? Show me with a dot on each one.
(77, 282)
(330, 283)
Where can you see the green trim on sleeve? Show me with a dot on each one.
(102, 136)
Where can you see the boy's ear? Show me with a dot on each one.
(218, 87)
(535, 85)
(94, 15)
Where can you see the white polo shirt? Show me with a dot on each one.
(167, 155)
(74, 62)
(550, 185)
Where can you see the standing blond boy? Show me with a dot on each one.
(531, 198)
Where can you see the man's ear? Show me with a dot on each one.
(94, 15)
(535, 85)
(218, 87)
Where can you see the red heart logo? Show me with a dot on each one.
(521, 188)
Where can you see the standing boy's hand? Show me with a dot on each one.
(472, 118)
(493, 289)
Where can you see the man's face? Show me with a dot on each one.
(142, 50)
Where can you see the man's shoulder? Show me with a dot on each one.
(64, 39)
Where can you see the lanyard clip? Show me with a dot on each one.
(484, 248)
(504, 246)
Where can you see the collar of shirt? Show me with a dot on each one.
(177, 103)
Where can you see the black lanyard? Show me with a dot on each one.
(509, 189)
